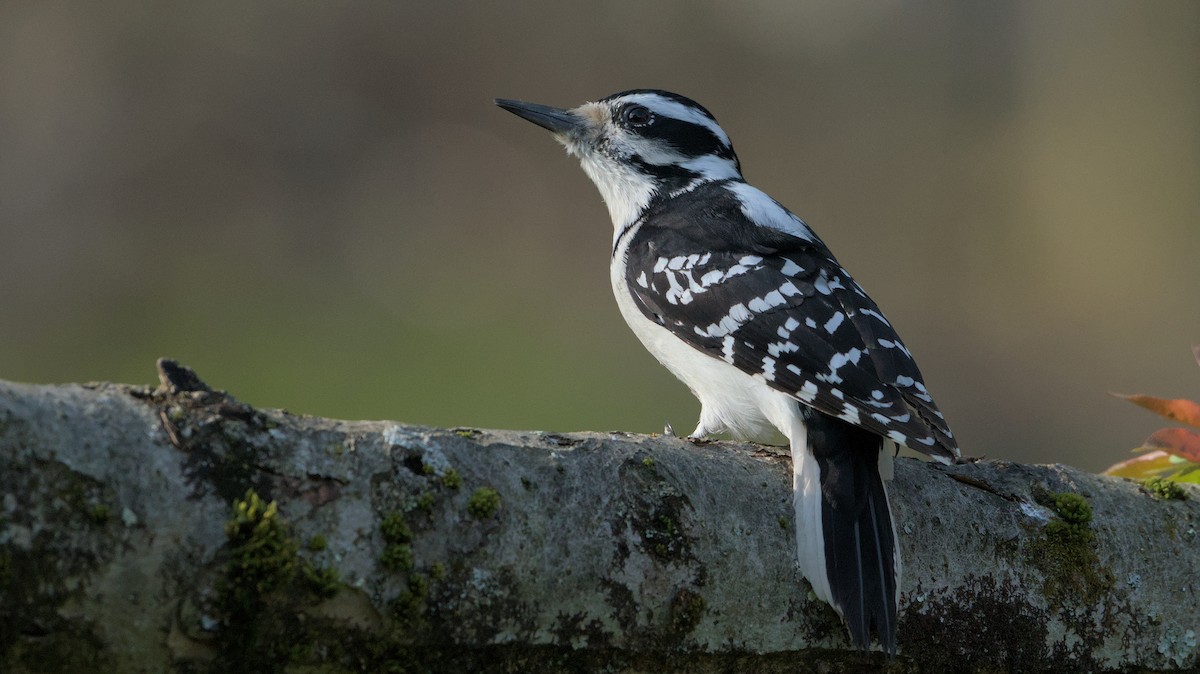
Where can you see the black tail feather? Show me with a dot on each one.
(857, 527)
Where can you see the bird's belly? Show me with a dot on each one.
(731, 399)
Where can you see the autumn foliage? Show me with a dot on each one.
(1172, 453)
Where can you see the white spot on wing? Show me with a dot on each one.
(840, 359)
(776, 348)
(875, 314)
(834, 321)
(728, 324)
(727, 348)
(768, 368)
(675, 291)
(849, 414)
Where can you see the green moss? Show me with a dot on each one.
(418, 585)
(438, 572)
(425, 501)
(397, 558)
(99, 514)
(264, 587)
(783, 522)
(648, 462)
(324, 581)
(428, 469)
(1073, 508)
(395, 529)
(452, 479)
(317, 543)
(1065, 553)
(666, 525)
(262, 554)
(408, 607)
(1164, 490)
(483, 503)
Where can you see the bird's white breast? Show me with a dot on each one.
(731, 400)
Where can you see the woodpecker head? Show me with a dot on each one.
(638, 145)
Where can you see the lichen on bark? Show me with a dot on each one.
(178, 529)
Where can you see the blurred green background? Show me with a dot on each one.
(317, 206)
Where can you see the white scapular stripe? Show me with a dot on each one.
(765, 211)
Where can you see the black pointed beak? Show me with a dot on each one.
(554, 119)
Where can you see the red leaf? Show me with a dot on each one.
(1178, 441)
(1181, 410)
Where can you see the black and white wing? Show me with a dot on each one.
(734, 274)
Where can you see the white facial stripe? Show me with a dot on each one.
(659, 153)
(669, 108)
(711, 167)
(706, 167)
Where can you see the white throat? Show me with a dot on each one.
(625, 191)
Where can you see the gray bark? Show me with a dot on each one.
(603, 551)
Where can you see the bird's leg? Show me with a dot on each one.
(706, 427)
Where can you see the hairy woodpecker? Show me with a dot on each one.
(742, 301)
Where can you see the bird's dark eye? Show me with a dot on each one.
(637, 116)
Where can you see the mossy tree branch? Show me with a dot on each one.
(177, 529)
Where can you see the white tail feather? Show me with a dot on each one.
(806, 492)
